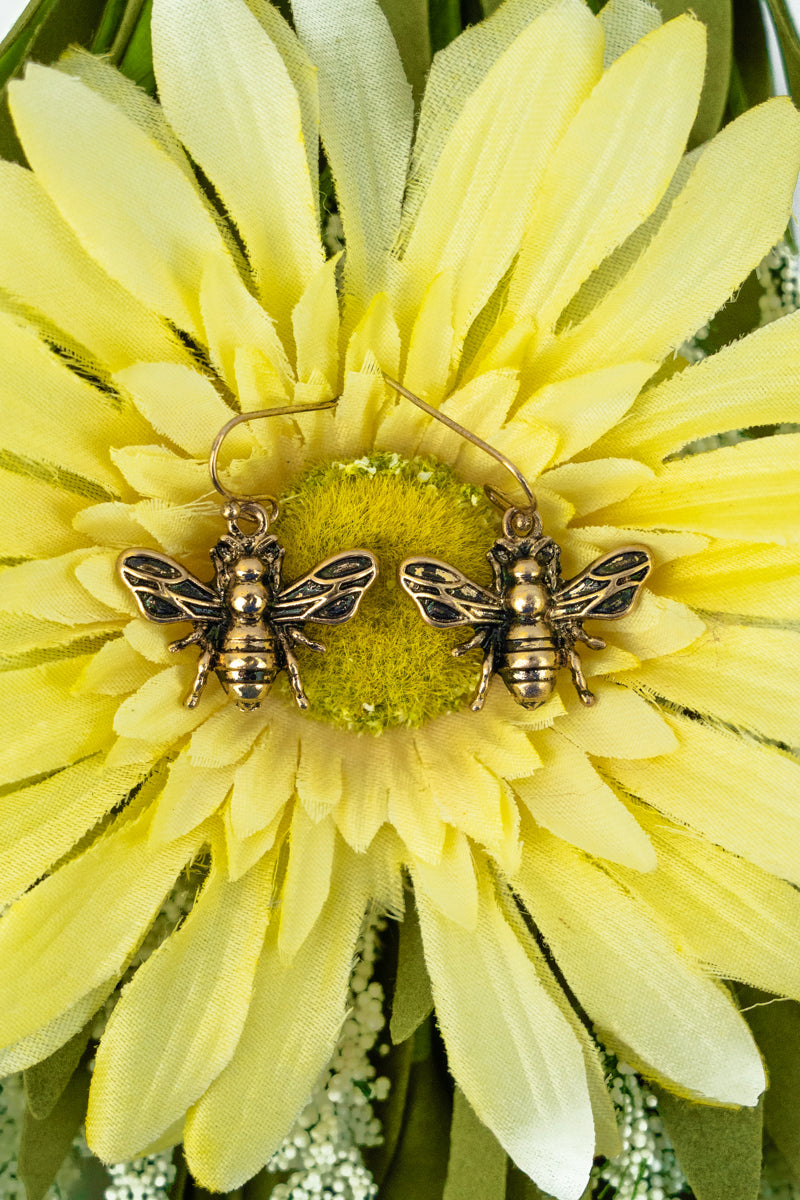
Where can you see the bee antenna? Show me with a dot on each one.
(239, 419)
(502, 502)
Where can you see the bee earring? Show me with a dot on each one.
(528, 623)
(246, 620)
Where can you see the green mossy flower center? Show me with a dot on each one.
(386, 667)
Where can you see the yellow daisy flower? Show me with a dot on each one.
(529, 260)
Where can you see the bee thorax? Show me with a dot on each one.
(527, 599)
(248, 601)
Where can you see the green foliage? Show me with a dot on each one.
(789, 42)
(719, 1149)
(409, 23)
(775, 1024)
(419, 1165)
(412, 1001)
(45, 1143)
(751, 79)
(717, 16)
(45, 1082)
(444, 22)
(476, 1167)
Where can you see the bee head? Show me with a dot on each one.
(248, 570)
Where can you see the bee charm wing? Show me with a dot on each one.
(165, 591)
(445, 597)
(330, 593)
(607, 588)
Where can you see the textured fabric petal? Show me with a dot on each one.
(48, 588)
(315, 322)
(610, 169)
(511, 1051)
(745, 492)
(308, 879)
(366, 123)
(43, 264)
(189, 796)
(156, 714)
(53, 508)
(178, 1021)
(411, 810)
(116, 670)
(581, 409)
(225, 738)
(657, 626)
(751, 382)
(182, 404)
(233, 321)
(619, 718)
(247, 136)
(738, 578)
(45, 726)
(756, 814)
(129, 203)
(729, 214)
(734, 673)
(450, 885)
(230, 1133)
(737, 920)
(625, 22)
(48, 413)
(265, 781)
(76, 929)
(51, 1037)
(364, 804)
(636, 987)
(588, 485)
(481, 192)
(569, 798)
(41, 822)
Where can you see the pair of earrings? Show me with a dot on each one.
(247, 621)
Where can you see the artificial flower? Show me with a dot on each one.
(530, 260)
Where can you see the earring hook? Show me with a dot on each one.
(519, 520)
(239, 419)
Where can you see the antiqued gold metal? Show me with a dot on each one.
(528, 622)
(246, 620)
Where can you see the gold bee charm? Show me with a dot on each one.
(529, 622)
(246, 620)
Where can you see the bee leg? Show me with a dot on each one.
(293, 671)
(472, 644)
(578, 677)
(580, 635)
(191, 640)
(300, 639)
(486, 674)
(203, 667)
(497, 572)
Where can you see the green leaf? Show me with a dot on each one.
(790, 46)
(412, 1001)
(476, 1168)
(45, 1144)
(776, 1027)
(444, 22)
(409, 23)
(719, 1149)
(751, 78)
(419, 1167)
(717, 16)
(520, 1187)
(391, 1112)
(46, 1080)
(137, 61)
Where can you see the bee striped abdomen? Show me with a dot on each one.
(247, 664)
(530, 662)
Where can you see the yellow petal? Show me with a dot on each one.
(751, 382)
(636, 987)
(49, 1038)
(158, 472)
(611, 167)
(243, 853)
(492, 1008)
(743, 492)
(569, 798)
(308, 879)
(590, 485)
(619, 718)
(315, 322)
(48, 588)
(41, 822)
(466, 793)
(481, 192)
(736, 673)
(44, 265)
(319, 773)
(364, 804)
(755, 814)
(279, 1056)
(376, 334)
(182, 404)
(581, 409)
(366, 123)
(729, 214)
(737, 920)
(450, 885)
(663, 546)
(431, 345)
(116, 670)
(625, 22)
(48, 413)
(225, 738)
(190, 795)
(129, 203)
(50, 533)
(265, 781)
(411, 809)
(75, 930)
(232, 317)
(656, 626)
(178, 1021)
(156, 713)
(46, 727)
(247, 137)
(738, 578)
